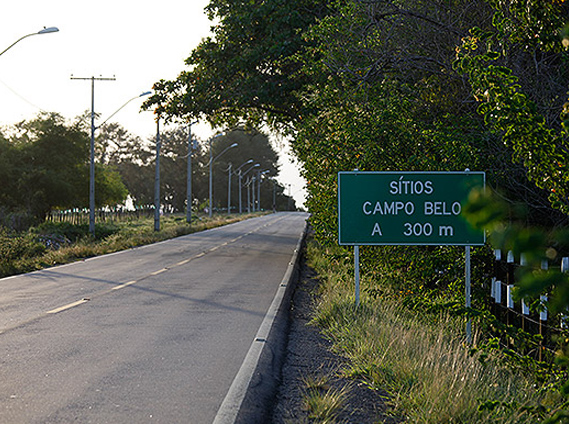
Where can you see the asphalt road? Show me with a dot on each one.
(155, 334)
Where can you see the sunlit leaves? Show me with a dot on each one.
(243, 72)
(508, 111)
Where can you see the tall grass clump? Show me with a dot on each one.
(429, 372)
(323, 402)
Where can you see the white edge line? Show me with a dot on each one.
(227, 413)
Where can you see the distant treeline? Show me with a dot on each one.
(44, 167)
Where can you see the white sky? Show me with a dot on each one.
(137, 42)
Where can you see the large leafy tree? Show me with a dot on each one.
(244, 70)
(52, 161)
(386, 94)
(8, 169)
(50, 168)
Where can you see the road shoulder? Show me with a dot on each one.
(309, 357)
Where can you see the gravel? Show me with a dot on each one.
(309, 356)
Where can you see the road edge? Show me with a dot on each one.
(251, 394)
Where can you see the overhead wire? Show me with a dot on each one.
(22, 97)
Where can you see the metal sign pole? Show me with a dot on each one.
(467, 292)
(357, 273)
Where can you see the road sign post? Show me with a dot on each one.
(407, 208)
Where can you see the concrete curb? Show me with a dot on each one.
(250, 396)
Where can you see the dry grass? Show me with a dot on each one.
(126, 235)
(430, 374)
(323, 402)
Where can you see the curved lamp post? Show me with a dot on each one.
(43, 31)
(240, 177)
(146, 93)
(210, 141)
(238, 172)
(210, 164)
(259, 175)
(191, 148)
(92, 147)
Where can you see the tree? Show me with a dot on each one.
(521, 103)
(244, 71)
(52, 165)
(51, 168)
(8, 164)
(252, 144)
(114, 145)
(174, 171)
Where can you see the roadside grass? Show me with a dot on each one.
(55, 244)
(323, 402)
(429, 372)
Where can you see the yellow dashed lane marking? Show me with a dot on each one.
(69, 306)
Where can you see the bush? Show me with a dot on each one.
(17, 246)
(75, 232)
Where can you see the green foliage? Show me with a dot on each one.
(46, 167)
(254, 145)
(72, 233)
(16, 246)
(243, 70)
(405, 85)
(59, 243)
(323, 402)
(16, 249)
(417, 355)
(531, 281)
(509, 112)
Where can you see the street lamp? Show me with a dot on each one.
(238, 172)
(43, 31)
(241, 175)
(210, 164)
(250, 180)
(92, 173)
(92, 145)
(157, 177)
(191, 148)
(260, 174)
(229, 188)
(146, 93)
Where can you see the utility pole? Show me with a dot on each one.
(189, 176)
(229, 188)
(92, 151)
(157, 178)
(259, 190)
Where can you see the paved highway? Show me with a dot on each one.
(155, 334)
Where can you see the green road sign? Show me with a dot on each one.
(406, 208)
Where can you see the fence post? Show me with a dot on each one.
(542, 315)
(499, 277)
(510, 284)
(525, 308)
(565, 269)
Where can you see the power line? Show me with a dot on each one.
(22, 97)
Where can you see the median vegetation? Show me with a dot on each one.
(52, 244)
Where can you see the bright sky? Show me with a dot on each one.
(138, 43)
